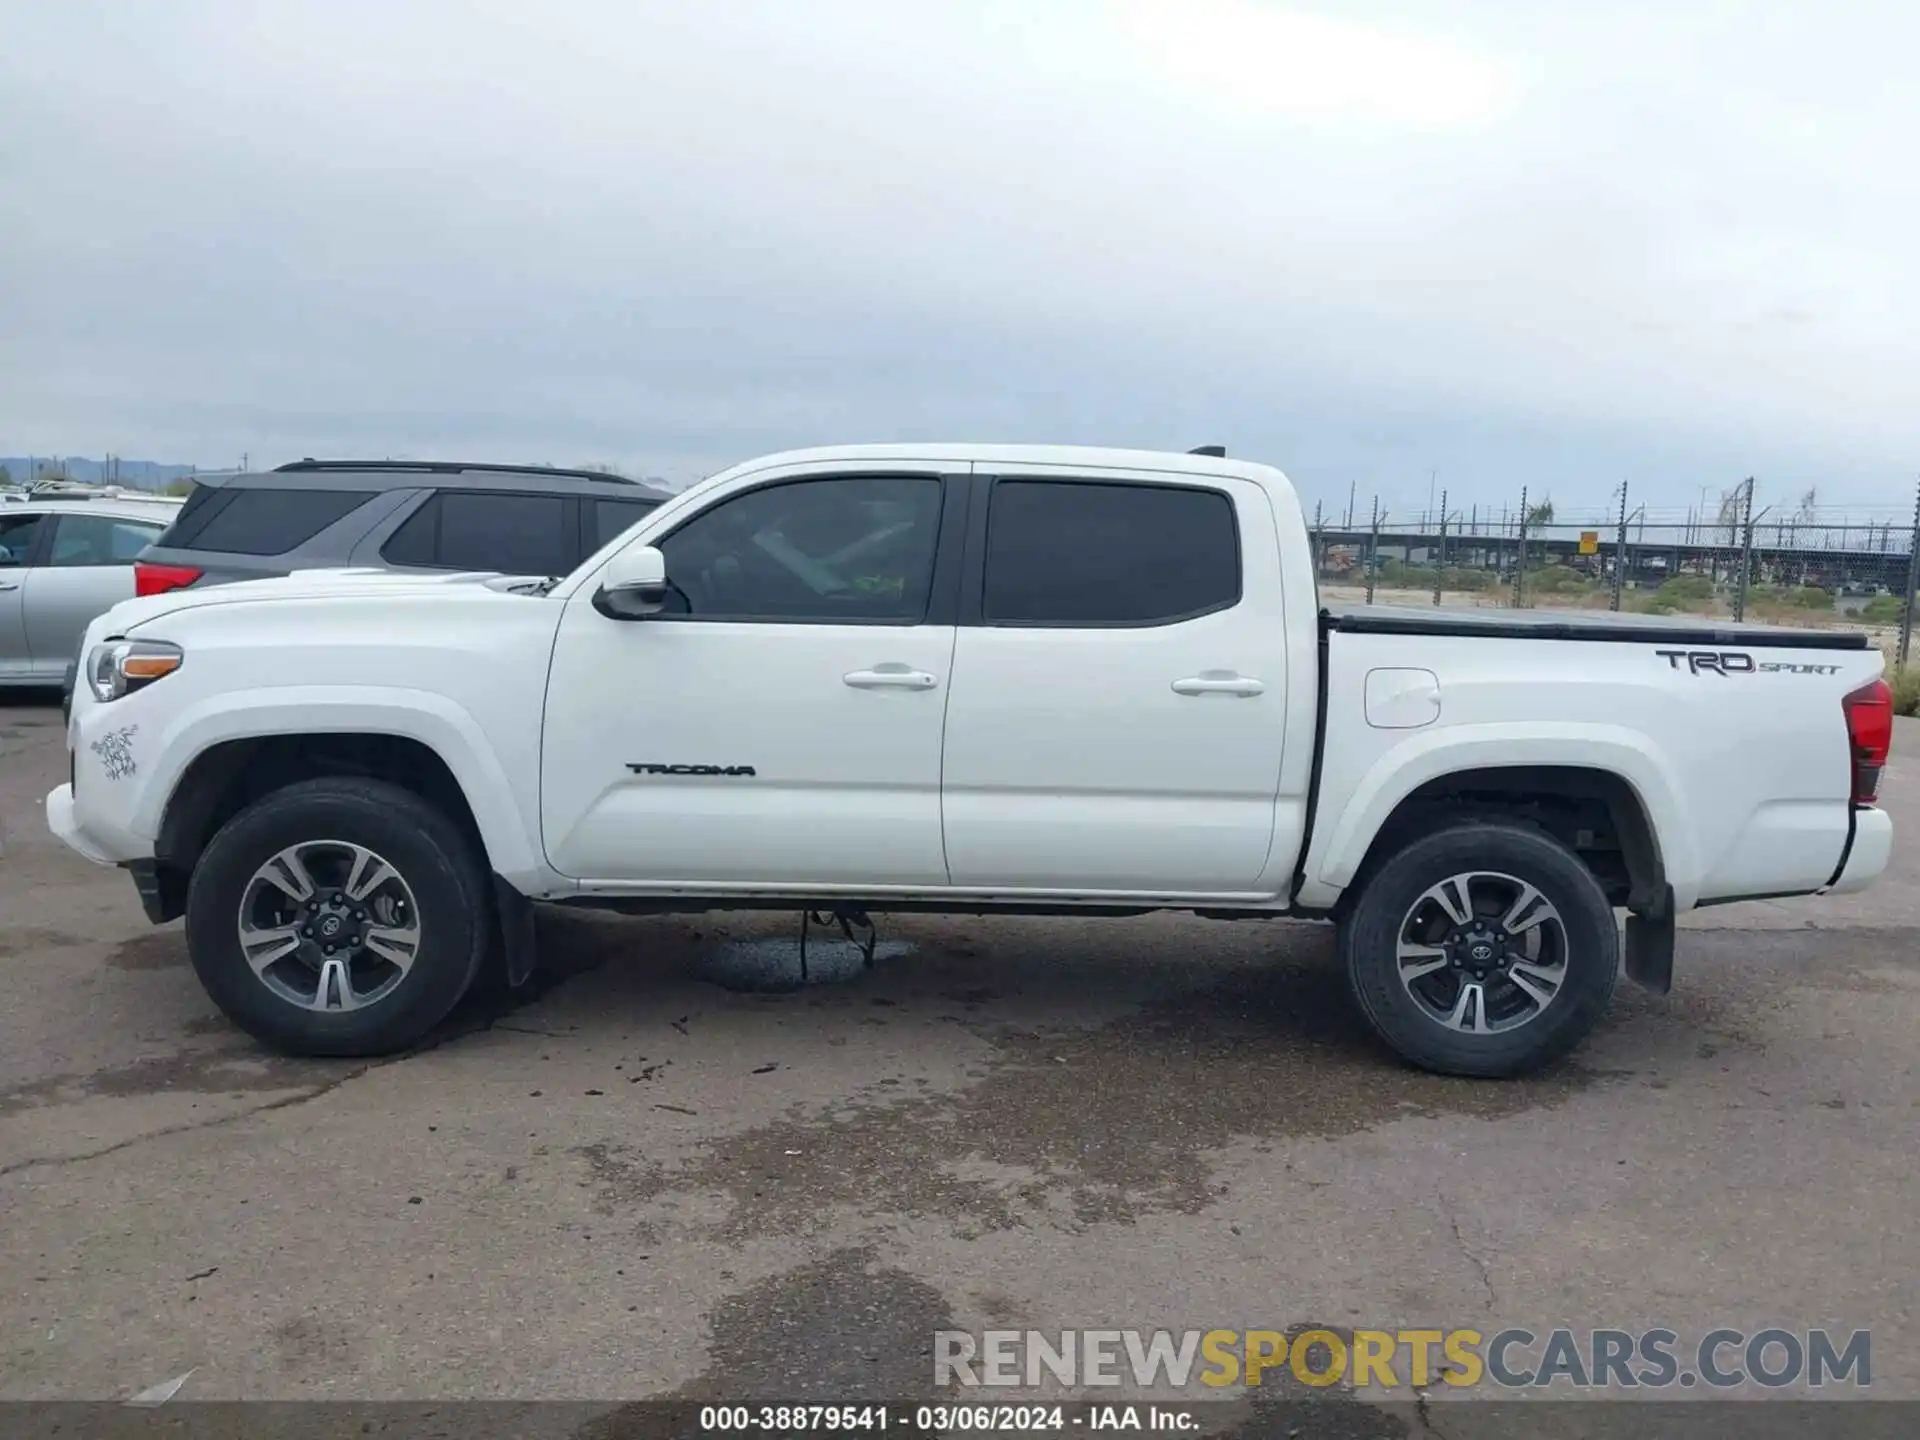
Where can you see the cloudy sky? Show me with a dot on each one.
(1510, 242)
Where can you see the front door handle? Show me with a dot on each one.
(1217, 684)
(890, 677)
(9, 584)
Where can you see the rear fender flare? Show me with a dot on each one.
(1421, 759)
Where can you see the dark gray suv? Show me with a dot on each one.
(395, 515)
(392, 514)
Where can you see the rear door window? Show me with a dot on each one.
(86, 540)
(487, 530)
(17, 533)
(263, 521)
(1090, 554)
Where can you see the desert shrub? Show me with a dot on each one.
(1906, 690)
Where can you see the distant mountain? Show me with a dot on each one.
(139, 474)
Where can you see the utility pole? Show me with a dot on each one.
(1373, 549)
(1620, 551)
(1520, 557)
(1746, 553)
(1440, 564)
(1350, 488)
(1913, 580)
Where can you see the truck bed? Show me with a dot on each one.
(1578, 625)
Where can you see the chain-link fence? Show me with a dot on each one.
(1726, 561)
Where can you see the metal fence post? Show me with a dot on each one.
(1913, 579)
(1520, 557)
(1746, 554)
(1440, 561)
(1373, 549)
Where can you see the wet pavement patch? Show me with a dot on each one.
(1072, 1128)
(844, 1329)
(198, 1072)
(773, 964)
(159, 950)
(17, 940)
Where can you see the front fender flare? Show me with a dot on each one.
(431, 719)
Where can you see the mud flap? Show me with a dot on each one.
(1650, 945)
(516, 932)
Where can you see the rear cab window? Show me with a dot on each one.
(263, 520)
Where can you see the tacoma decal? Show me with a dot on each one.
(691, 769)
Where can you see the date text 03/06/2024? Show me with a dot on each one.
(946, 1418)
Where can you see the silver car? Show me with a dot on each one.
(63, 560)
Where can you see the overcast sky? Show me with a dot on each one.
(1513, 242)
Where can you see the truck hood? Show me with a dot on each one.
(314, 585)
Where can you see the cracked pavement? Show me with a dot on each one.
(635, 1182)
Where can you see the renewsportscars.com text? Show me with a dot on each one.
(1509, 1359)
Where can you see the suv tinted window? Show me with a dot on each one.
(1084, 553)
(200, 497)
(16, 537)
(483, 530)
(80, 540)
(821, 550)
(611, 517)
(265, 521)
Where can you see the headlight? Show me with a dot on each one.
(120, 667)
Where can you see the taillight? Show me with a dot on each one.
(1870, 736)
(151, 579)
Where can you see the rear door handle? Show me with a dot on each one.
(1218, 685)
(890, 677)
(9, 584)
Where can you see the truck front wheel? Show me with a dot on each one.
(1484, 949)
(339, 916)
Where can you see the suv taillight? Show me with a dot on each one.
(1869, 737)
(151, 579)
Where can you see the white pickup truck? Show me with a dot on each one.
(968, 679)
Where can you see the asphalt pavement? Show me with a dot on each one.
(653, 1177)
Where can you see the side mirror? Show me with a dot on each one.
(634, 584)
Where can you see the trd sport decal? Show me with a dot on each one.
(691, 769)
(1735, 662)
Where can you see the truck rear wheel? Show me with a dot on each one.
(1485, 949)
(338, 916)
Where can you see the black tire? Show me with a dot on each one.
(432, 855)
(1369, 945)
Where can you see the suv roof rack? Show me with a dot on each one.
(448, 467)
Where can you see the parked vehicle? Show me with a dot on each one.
(386, 514)
(958, 678)
(390, 514)
(63, 560)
